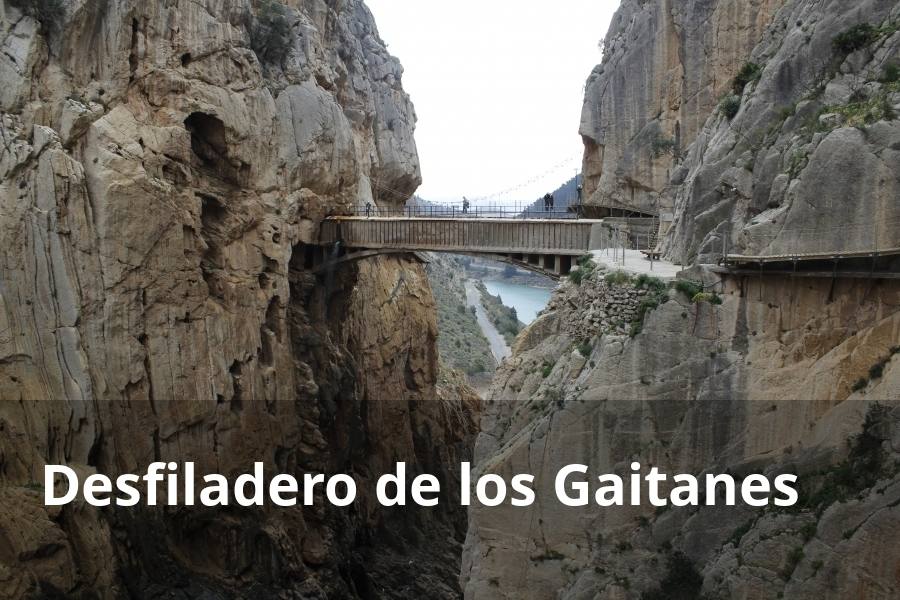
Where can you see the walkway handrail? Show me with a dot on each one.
(837, 255)
(485, 234)
(475, 212)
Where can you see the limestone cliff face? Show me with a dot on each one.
(666, 63)
(787, 374)
(165, 166)
(766, 382)
(809, 164)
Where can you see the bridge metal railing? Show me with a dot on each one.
(474, 212)
(570, 237)
(853, 239)
(616, 237)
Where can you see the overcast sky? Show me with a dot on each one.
(498, 88)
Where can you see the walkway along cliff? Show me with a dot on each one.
(767, 131)
(163, 166)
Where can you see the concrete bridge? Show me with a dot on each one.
(547, 246)
(551, 246)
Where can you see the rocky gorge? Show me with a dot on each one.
(770, 127)
(164, 172)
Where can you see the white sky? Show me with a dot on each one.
(498, 87)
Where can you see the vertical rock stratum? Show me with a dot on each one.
(665, 66)
(164, 167)
(774, 124)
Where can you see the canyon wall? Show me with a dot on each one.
(718, 374)
(809, 162)
(738, 121)
(165, 167)
(768, 381)
(666, 63)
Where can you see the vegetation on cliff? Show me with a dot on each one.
(787, 138)
(503, 317)
(461, 343)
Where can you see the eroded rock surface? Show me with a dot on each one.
(165, 167)
(809, 164)
(768, 381)
(737, 374)
(665, 66)
(788, 172)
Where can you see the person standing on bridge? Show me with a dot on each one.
(577, 208)
(547, 202)
(368, 209)
(552, 202)
(465, 205)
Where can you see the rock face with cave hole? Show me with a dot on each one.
(164, 192)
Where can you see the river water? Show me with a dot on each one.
(527, 301)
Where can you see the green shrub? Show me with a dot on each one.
(585, 260)
(654, 284)
(865, 111)
(709, 297)
(750, 72)
(661, 146)
(855, 38)
(659, 294)
(799, 161)
(585, 349)
(586, 266)
(740, 532)
(891, 73)
(617, 278)
(865, 465)
(648, 304)
(636, 328)
(270, 33)
(730, 105)
(876, 371)
(688, 288)
(546, 370)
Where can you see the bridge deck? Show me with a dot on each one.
(564, 237)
